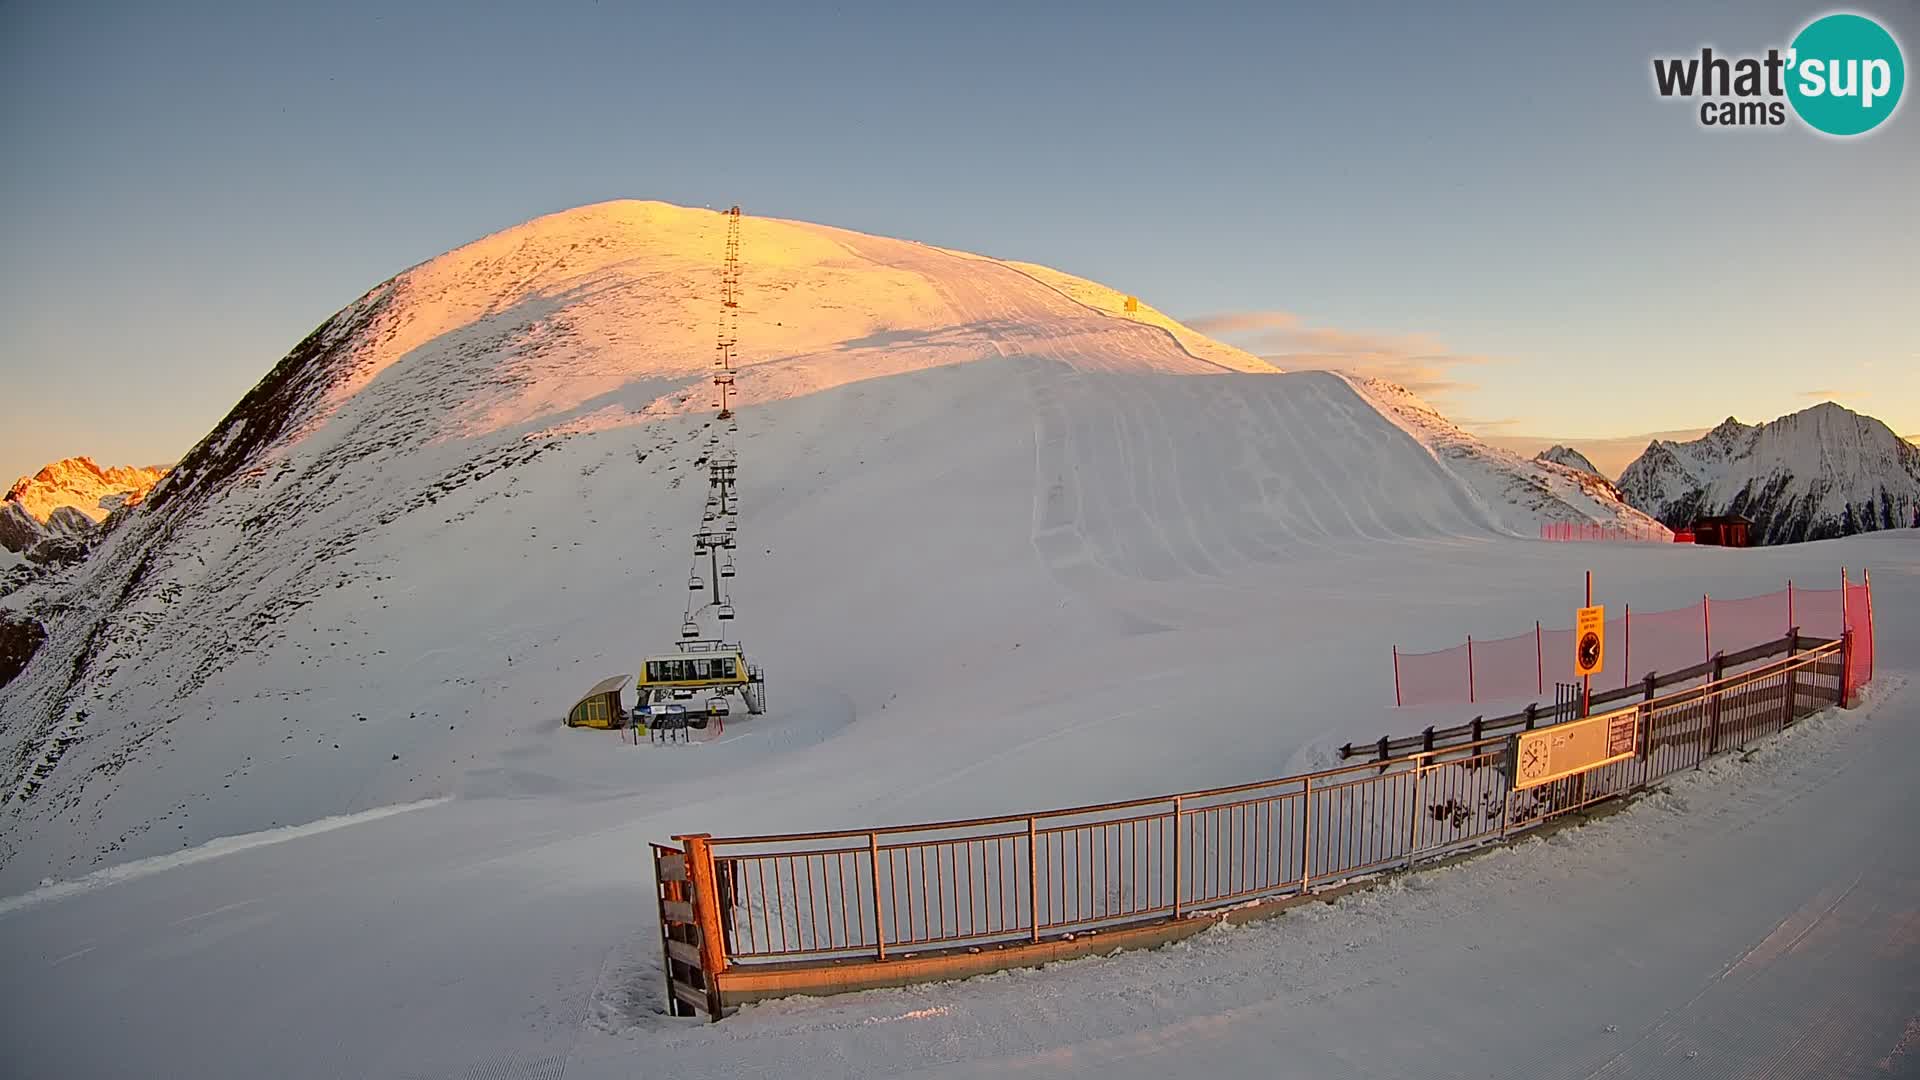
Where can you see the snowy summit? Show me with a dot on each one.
(1822, 472)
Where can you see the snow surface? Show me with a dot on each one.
(1764, 909)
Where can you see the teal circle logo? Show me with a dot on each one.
(1844, 74)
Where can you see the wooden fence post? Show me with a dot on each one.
(1306, 832)
(706, 917)
(1793, 647)
(1033, 868)
(1177, 870)
(879, 924)
(1713, 703)
(1413, 806)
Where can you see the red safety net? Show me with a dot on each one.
(1508, 668)
(1594, 532)
(1819, 612)
(1526, 666)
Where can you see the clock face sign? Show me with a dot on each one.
(1589, 651)
(1533, 760)
(1590, 640)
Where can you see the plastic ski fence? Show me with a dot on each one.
(1593, 532)
(1527, 665)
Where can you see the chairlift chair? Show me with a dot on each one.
(726, 568)
(695, 583)
(724, 611)
(689, 630)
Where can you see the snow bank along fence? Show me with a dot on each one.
(1530, 664)
(747, 918)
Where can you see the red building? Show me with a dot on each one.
(1729, 530)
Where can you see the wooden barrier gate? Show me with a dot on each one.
(692, 951)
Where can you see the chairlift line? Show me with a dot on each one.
(707, 666)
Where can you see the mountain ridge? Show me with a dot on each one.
(1821, 472)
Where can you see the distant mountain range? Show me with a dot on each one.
(1822, 472)
(1568, 456)
(44, 517)
(1609, 456)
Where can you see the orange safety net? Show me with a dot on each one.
(1860, 625)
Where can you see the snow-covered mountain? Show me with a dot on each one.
(83, 486)
(1519, 492)
(51, 516)
(1568, 456)
(467, 496)
(1822, 472)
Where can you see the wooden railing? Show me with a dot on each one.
(749, 917)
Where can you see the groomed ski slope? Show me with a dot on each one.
(1765, 909)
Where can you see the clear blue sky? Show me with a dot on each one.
(189, 189)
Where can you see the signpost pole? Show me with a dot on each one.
(1586, 681)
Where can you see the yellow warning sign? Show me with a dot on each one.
(1557, 752)
(1590, 640)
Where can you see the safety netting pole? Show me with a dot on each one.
(1867, 577)
(1626, 665)
(1846, 652)
(1396, 676)
(1706, 623)
(1470, 692)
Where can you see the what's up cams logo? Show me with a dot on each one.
(1842, 75)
